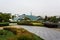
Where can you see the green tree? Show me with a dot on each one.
(46, 18)
(13, 16)
(53, 19)
(5, 17)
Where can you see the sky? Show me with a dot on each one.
(37, 7)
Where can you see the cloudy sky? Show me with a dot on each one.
(37, 7)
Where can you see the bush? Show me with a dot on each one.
(5, 34)
(4, 23)
(32, 23)
(34, 37)
(51, 25)
(24, 23)
(24, 38)
(14, 30)
(13, 22)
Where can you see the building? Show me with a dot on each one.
(21, 17)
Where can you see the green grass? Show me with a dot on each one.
(5, 34)
(37, 24)
(4, 23)
(17, 34)
(32, 23)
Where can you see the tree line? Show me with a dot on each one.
(4, 17)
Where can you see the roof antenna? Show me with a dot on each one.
(31, 13)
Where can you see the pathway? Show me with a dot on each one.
(43, 32)
(46, 33)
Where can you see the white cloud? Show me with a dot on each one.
(38, 7)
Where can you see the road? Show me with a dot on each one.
(43, 32)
